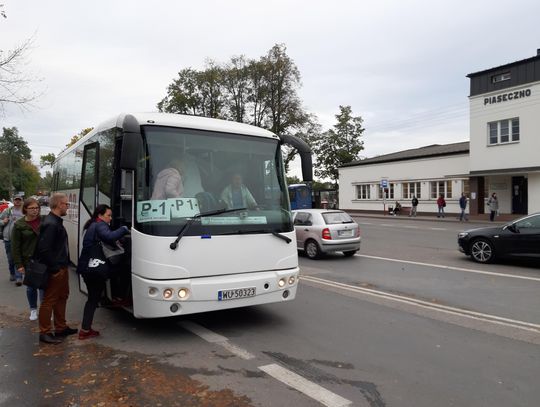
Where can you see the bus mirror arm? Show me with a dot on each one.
(305, 155)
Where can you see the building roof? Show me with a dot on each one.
(505, 66)
(434, 150)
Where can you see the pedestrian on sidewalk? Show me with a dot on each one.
(493, 204)
(52, 250)
(97, 230)
(23, 243)
(414, 203)
(463, 207)
(9, 216)
(441, 204)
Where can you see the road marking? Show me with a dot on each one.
(489, 273)
(291, 379)
(310, 389)
(493, 319)
(213, 337)
(437, 229)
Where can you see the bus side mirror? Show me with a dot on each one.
(305, 155)
(131, 148)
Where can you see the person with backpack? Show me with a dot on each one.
(8, 218)
(414, 203)
(441, 203)
(97, 231)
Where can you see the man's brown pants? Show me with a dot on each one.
(54, 302)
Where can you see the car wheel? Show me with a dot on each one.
(350, 253)
(482, 251)
(312, 249)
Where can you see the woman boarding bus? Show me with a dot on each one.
(163, 175)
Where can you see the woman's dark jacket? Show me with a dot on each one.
(98, 231)
(23, 242)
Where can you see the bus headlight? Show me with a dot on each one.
(292, 280)
(152, 291)
(167, 293)
(183, 293)
(281, 283)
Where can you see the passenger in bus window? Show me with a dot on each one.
(237, 195)
(168, 182)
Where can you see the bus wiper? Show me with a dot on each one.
(250, 232)
(190, 221)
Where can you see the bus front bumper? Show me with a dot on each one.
(164, 298)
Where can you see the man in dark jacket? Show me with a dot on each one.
(52, 250)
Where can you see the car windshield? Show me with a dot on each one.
(332, 218)
(187, 172)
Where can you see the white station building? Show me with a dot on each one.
(503, 154)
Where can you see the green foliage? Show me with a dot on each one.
(293, 180)
(339, 145)
(47, 160)
(261, 92)
(14, 152)
(78, 136)
(29, 178)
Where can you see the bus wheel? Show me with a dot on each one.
(312, 249)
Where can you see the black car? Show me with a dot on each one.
(520, 238)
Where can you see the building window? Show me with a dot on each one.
(387, 193)
(440, 187)
(363, 191)
(501, 77)
(465, 187)
(503, 131)
(411, 189)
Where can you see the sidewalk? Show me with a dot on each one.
(449, 217)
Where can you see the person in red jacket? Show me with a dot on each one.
(441, 203)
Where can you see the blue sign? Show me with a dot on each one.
(384, 183)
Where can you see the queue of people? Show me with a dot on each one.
(29, 236)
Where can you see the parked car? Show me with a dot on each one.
(320, 231)
(520, 238)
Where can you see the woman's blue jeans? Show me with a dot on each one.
(32, 295)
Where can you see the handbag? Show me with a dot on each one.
(36, 275)
(114, 254)
(97, 265)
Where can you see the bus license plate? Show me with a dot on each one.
(236, 293)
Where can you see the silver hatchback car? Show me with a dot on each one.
(320, 231)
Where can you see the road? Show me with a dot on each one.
(409, 321)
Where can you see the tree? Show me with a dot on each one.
(13, 151)
(13, 79)
(338, 146)
(260, 92)
(47, 160)
(78, 136)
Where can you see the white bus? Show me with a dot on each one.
(194, 252)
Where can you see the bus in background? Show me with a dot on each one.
(300, 196)
(197, 245)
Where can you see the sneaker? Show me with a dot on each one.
(33, 314)
(66, 331)
(18, 283)
(88, 334)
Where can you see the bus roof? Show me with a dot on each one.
(178, 120)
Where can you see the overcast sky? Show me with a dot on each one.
(400, 64)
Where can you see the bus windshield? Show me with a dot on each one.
(187, 172)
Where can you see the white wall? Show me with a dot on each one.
(533, 184)
(513, 155)
(455, 168)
